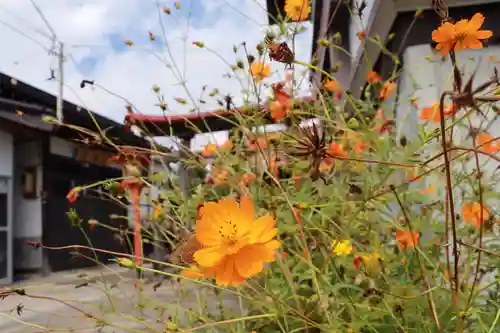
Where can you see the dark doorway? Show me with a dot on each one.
(60, 230)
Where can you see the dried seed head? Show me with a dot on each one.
(260, 48)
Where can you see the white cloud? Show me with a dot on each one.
(131, 73)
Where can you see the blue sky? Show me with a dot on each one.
(93, 32)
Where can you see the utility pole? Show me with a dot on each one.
(60, 68)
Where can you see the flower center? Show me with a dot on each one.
(227, 230)
(461, 36)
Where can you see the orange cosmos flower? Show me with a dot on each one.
(487, 143)
(335, 150)
(388, 88)
(432, 113)
(209, 150)
(406, 239)
(361, 35)
(373, 77)
(278, 110)
(282, 104)
(297, 10)
(235, 244)
(333, 86)
(464, 34)
(360, 147)
(247, 178)
(353, 140)
(258, 143)
(219, 176)
(73, 194)
(471, 213)
(260, 71)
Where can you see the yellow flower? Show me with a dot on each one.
(235, 244)
(297, 10)
(341, 248)
(260, 71)
(372, 263)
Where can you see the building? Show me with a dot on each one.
(384, 18)
(39, 164)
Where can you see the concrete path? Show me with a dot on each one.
(108, 304)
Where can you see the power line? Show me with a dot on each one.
(25, 35)
(60, 62)
(54, 36)
(20, 18)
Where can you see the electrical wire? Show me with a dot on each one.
(20, 18)
(25, 35)
(44, 19)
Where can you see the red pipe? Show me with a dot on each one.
(135, 193)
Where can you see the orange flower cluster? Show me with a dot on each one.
(472, 211)
(464, 34)
(211, 149)
(432, 113)
(282, 103)
(334, 87)
(406, 239)
(388, 87)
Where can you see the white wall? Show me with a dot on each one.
(426, 81)
(27, 212)
(425, 77)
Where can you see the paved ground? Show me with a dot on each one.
(110, 303)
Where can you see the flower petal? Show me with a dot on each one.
(461, 27)
(444, 33)
(260, 227)
(209, 256)
(475, 22)
(483, 34)
(247, 207)
(226, 273)
(249, 260)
